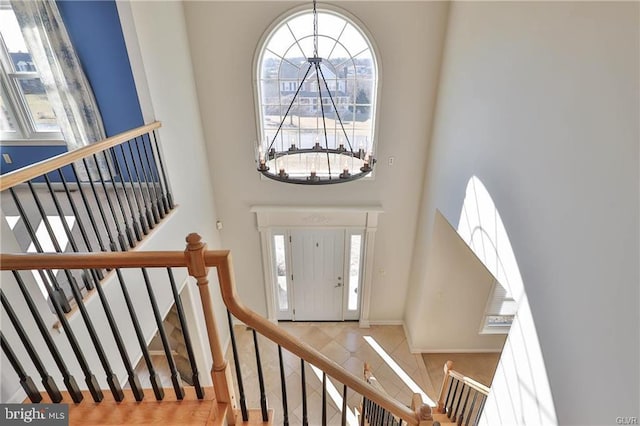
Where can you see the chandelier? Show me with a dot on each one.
(328, 157)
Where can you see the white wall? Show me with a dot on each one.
(165, 66)
(453, 305)
(223, 39)
(540, 101)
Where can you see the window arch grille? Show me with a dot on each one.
(350, 68)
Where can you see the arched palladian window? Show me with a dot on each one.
(350, 69)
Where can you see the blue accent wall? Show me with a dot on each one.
(96, 33)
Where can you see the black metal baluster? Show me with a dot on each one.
(236, 363)
(79, 221)
(186, 336)
(305, 417)
(69, 381)
(324, 399)
(119, 226)
(25, 381)
(453, 397)
(128, 228)
(283, 384)
(169, 197)
(152, 197)
(456, 411)
(343, 420)
(155, 177)
(153, 376)
(87, 207)
(175, 376)
(363, 414)
(263, 394)
(141, 217)
(49, 385)
(56, 292)
(89, 378)
(134, 222)
(70, 238)
(132, 378)
(112, 379)
(483, 399)
(464, 407)
(112, 241)
(151, 220)
(473, 404)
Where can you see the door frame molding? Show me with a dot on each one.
(277, 217)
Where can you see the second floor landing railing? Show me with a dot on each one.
(462, 399)
(197, 259)
(106, 196)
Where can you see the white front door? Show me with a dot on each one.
(317, 260)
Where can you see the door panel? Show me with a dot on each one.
(317, 258)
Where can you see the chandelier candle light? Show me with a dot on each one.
(301, 164)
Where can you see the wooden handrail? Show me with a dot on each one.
(470, 382)
(24, 174)
(197, 259)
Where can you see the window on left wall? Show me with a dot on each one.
(26, 115)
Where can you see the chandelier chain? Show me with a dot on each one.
(315, 30)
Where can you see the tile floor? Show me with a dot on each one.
(344, 343)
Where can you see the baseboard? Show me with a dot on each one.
(458, 351)
(417, 350)
(386, 322)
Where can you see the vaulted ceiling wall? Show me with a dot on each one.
(223, 38)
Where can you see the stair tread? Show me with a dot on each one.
(170, 411)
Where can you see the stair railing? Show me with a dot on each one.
(462, 399)
(373, 414)
(197, 259)
(104, 197)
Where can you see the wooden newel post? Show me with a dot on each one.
(448, 366)
(221, 371)
(422, 410)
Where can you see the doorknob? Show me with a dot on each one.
(338, 285)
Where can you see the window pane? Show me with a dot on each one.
(281, 271)
(12, 36)
(38, 105)
(354, 272)
(349, 69)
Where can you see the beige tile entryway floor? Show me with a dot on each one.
(344, 343)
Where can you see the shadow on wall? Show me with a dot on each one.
(520, 392)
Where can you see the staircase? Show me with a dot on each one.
(80, 306)
(461, 399)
